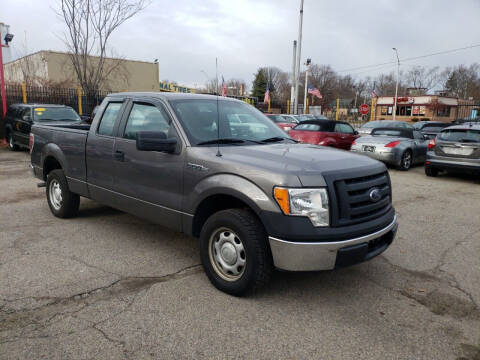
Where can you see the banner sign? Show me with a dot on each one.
(166, 86)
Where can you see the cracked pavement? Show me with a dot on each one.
(107, 285)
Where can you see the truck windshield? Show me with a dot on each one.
(237, 120)
(55, 114)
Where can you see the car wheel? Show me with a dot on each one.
(11, 143)
(406, 161)
(62, 202)
(431, 171)
(234, 252)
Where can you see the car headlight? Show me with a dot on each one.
(312, 203)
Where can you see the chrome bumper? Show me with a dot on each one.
(312, 256)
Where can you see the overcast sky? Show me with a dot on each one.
(187, 35)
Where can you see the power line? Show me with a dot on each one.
(412, 58)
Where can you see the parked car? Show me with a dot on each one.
(20, 117)
(367, 128)
(256, 201)
(455, 148)
(430, 128)
(401, 147)
(290, 118)
(325, 132)
(283, 123)
(304, 117)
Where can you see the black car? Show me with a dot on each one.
(20, 117)
(431, 128)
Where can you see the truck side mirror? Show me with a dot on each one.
(155, 141)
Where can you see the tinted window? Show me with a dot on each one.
(25, 112)
(55, 114)
(343, 128)
(199, 119)
(11, 111)
(108, 118)
(386, 132)
(460, 135)
(146, 117)
(418, 135)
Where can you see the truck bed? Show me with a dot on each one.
(66, 143)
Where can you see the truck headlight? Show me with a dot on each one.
(312, 203)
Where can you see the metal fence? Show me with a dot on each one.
(55, 95)
(469, 111)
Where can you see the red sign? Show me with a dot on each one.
(364, 109)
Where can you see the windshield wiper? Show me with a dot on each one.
(277, 139)
(222, 141)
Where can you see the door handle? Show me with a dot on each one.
(119, 155)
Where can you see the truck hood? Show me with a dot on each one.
(305, 161)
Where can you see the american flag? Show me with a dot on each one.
(374, 93)
(266, 99)
(314, 91)
(224, 87)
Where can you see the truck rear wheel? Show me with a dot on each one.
(234, 252)
(62, 202)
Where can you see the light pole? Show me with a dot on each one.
(396, 86)
(307, 64)
(294, 74)
(299, 54)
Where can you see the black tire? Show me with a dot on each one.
(431, 171)
(11, 143)
(257, 256)
(67, 205)
(406, 161)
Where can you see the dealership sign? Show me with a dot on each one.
(166, 86)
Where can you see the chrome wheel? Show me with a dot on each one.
(227, 254)
(407, 160)
(55, 194)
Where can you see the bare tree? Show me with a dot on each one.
(420, 77)
(90, 24)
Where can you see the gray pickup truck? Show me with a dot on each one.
(218, 169)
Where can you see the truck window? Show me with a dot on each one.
(343, 128)
(109, 116)
(146, 117)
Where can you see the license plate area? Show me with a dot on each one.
(457, 151)
(368, 148)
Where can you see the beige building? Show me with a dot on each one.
(418, 108)
(52, 68)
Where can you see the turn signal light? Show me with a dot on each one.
(281, 195)
(354, 142)
(392, 144)
(432, 143)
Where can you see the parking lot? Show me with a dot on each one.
(108, 285)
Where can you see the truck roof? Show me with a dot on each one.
(171, 95)
(39, 104)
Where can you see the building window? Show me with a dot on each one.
(444, 111)
(403, 110)
(418, 111)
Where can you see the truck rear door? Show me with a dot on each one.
(99, 150)
(149, 182)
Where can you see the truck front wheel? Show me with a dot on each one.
(62, 202)
(234, 251)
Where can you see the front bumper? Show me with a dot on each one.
(312, 256)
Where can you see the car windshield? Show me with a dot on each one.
(55, 114)
(372, 124)
(277, 118)
(289, 119)
(327, 127)
(460, 135)
(240, 123)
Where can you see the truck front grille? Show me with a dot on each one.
(354, 204)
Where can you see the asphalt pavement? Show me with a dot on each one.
(108, 285)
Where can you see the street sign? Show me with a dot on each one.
(364, 109)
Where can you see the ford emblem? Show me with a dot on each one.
(375, 194)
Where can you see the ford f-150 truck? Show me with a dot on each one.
(255, 198)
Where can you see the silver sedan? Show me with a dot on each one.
(399, 147)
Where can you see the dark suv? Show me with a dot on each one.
(20, 117)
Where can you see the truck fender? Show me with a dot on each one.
(232, 185)
(53, 150)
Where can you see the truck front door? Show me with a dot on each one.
(150, 183)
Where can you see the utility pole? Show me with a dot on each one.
(299, 54)
(396, 86)
(307, 64)
(292, 90)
